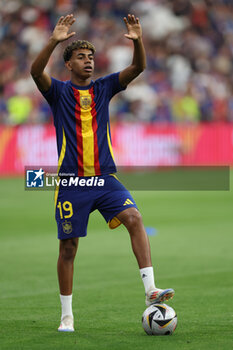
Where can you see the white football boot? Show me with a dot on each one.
(158, 296)
(67, 324)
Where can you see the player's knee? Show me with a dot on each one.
(133, 219)
(68, 249)
(68, 254)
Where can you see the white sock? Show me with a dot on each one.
(66, 305)
(147, 275)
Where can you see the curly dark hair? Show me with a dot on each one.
(75, 45)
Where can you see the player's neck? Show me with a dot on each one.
(80, 81)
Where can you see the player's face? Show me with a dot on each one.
(81, 63)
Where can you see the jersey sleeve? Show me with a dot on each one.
(113, 84)
(52, 95)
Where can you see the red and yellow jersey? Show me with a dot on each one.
(81, 119)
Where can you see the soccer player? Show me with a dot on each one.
(81, 119)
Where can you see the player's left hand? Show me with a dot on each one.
(134, 27)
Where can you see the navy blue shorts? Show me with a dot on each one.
(74, 203)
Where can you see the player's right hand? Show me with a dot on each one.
(62, 28)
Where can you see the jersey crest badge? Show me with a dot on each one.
(85, 101)
(67, 227)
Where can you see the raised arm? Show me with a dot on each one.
(139, 57)
(60, 33)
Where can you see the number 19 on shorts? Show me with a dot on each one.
(65, 209)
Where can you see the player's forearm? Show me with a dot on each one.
(137, 66)
(139, 56)
(42, 59)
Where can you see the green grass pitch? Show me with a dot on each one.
(192, 253)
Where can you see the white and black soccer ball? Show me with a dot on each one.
(159, 319)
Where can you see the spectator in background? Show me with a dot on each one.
(19, 108)
(185, 108)
(189, 47)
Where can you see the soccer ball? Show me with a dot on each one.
(159, 319)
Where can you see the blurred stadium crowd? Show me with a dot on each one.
(189, 45)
